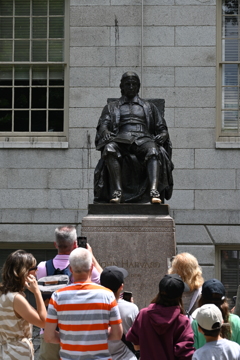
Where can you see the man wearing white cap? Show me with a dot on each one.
(209, 319)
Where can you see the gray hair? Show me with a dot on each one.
(80, 260)
(65, 236)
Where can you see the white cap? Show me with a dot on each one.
(208, 315)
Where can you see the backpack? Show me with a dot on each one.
(55, 280)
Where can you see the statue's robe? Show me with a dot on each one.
(134, 174)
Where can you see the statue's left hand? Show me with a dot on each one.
(160, 138)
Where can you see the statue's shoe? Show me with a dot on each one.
(155, 200)
(116, 197)
(155, 197)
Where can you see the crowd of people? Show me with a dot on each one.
(88, 318)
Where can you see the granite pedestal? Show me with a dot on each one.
(140, 238)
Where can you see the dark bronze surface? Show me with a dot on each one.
(127, 209)
(136, 151)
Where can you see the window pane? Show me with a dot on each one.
(56, 75)
(6, 28)
(230, 74)
(39, 7)
(39, 50)
(5, 75)
(22, 7)
(21, 98)
(55, 50)
(231, 27)
(5, 120)
(21, 120)
(5, 50)
(230, 50)
(230, 273)
(39, 97)
(230, 7)
(21, 50)
(230, 120)
(22, 28)
(56, 7)
(21, 76)
(230, 97)
(40, 27)
(38, 122)
(5, 98)
(6, 7)
(56, 27)
(56, 98)
(39, 75)
(55, 122)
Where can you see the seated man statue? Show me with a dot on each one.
(132, 135)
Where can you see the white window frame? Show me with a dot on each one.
(44, 139)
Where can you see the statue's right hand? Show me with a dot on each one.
(108, 135)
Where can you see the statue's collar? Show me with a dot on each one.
(125, 100)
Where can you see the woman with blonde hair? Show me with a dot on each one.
(186, 265)
(16, 314)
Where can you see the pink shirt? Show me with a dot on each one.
(61, 262)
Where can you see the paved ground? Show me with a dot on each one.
(36, 341)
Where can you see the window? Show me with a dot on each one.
(32, 69)
(229, 271)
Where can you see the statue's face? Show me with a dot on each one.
(130, 87)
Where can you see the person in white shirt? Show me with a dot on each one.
(210, 321)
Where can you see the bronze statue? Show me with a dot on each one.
(132, 135)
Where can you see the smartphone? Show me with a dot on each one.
(82, 241)
(127, 295)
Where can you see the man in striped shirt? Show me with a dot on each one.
(86, 314)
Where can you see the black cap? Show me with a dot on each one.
(113, 277)
(213, 289)
(172, 286)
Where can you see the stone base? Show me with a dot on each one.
(141, 243)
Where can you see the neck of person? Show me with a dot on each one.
(117, 294)
(211, 338)
(64, 252)
(82, 276)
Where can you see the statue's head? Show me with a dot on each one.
(127, 77)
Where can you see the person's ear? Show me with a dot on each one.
(200, 330)
(55, 244)
(121, 287)
(70, 269)
(75, 245)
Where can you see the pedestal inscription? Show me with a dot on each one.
(139, 243)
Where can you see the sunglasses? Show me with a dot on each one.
(33, 268)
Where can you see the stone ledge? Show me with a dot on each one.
(227, 145)
(128, 209)
(33, 145)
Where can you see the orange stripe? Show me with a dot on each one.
(95, 347)
(115, 322)
(51, 301)
(83, 286)
(82, 327)
(51, 320)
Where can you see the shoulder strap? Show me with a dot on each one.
(68, 272)
(50, 267)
